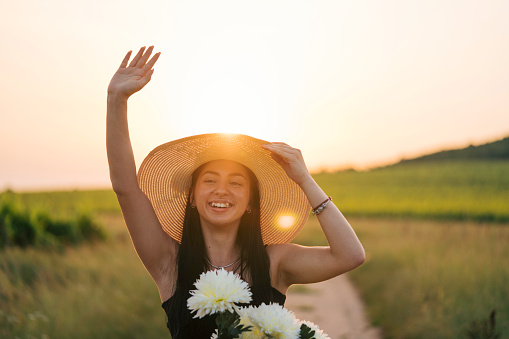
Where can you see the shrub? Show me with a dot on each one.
(90, 229)
(15, 225)
(7, 208)
(22, 231)
(22, 227)
(66, 231)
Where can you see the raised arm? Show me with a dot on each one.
(126, 81)
(154, 247)
(302, 264)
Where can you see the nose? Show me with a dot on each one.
(221, 188)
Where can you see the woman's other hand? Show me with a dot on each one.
(291, 160)
(130, 79)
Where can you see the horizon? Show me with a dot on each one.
(353, 85)
(107, 186)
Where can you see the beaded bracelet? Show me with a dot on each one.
(319, 209)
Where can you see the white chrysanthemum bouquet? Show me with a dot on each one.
(217, 292)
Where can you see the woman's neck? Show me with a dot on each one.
(221, 248)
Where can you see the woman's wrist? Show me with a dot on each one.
(313, 192)
(307, 182)
(113, 96)
(116, 105)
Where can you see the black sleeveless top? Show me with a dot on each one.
(203, 328)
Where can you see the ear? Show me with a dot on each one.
(191, 198)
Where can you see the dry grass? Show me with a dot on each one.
(425, 279)
(92, 291)
(422, 279)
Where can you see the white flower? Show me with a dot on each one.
(319, 334)
(272, 319)
(217, 291)
(214, 335)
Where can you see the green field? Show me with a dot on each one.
(429, 279)
(63, 204)
(98, 290)
(423, 277)
(446, 190)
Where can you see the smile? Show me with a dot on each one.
(220, 204)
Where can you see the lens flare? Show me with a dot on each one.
(286, 221)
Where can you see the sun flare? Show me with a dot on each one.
(285, 221)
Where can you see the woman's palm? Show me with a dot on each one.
(130, 79)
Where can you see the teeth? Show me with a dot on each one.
(219, 204)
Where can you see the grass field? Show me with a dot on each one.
(63, 204)
(96, 290)
(447, 190)
(423, 278)
(429, 279)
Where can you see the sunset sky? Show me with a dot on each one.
(350, 83)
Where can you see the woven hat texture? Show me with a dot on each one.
(165, 177)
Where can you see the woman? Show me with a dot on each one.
(219, 201)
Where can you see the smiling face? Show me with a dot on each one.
(222, 193)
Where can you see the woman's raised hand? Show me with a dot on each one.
(290, 159)
(130, 79)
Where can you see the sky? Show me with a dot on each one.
(350, 83)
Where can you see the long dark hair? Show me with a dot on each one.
(191, 255)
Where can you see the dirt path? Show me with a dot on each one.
(335, 306)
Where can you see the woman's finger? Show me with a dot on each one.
(149, 74)
(277, 159)
(146, 78)
(290, 159)
(285, 149)
(145, 57)
(137, 57)
(123, 64)
(283, 153)
(151, 62)
(282, 145)
(279, 143)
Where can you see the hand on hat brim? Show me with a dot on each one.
(290, 159)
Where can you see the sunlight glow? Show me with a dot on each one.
(352, 84)
(286, 221)
(232, 88)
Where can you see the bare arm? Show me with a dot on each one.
(125, 82)
(154, 247)
(302, 264)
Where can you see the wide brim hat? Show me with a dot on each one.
(165, 177)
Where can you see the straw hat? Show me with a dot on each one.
(165, 177)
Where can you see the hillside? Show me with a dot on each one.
(449, 189)
(497, 150)
(462, 184)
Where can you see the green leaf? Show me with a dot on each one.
(228, 325)
(306, 332)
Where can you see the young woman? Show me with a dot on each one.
(219, 201)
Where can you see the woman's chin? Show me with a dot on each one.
(221, 222)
